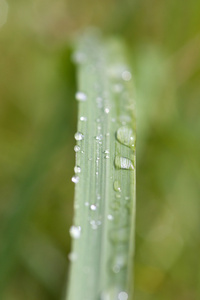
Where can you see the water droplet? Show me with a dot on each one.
(117, 186)
(120, 235)
(75, 232)
(78, 136)
(87, 204)
(99, 137)
(77, 169)
(79, 57)
(119, 261)
(116, 269)
(110, 217)
(106, 156)
(80, 96)
(126, 136)
(83, 119)
(126, 75)
(117, 88)
(77, 148)
(106, 151)
(110, 293)
(123, 296)
(72, 256)
(75, 179)
(107, 110)
(123, 163)
(93, 207)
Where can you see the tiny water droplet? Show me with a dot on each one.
(117, 186)
(123, 296)
(79, 57)
(126, 136)
(87, 204)
(107, 110)
(126, 75)
(110, 293)
(120, 235)
(77, 169)
(110, 217)
(75, 179)
(93, 207)
(99, 137)
(72, 256)
(83, 119)
(117, 88)
(106, 156)
(78, 136)
(123, 163)
(94, 224)
(77, 148)
(75, 232)
(80, 96)
(116, 269)
(106, 151)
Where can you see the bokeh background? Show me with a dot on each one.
(37, 125)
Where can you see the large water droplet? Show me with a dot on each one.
(75, 232)
(77, 169)
(126, 136)
(117, 186)
(78, 136)
(123, 163)
(75, 179)
(80, 96)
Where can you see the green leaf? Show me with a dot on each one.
(103, 230)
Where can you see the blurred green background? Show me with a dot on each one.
(37, 125)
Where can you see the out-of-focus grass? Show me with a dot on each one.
(37, 124)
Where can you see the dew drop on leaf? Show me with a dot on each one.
(93, 207)
(126, 136)
(75, 232)
(77, 148)
(75, 179)
(77, 169)
(123, 163)
(80, 96)
(78, 136)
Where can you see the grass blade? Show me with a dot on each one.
(103, 230)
